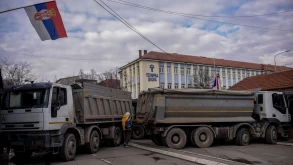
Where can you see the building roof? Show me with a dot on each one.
(112, 83)
(272, 81)
(209, 61)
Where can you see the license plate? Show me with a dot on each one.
(17, 143)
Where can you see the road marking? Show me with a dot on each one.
(176, 155)
(106, 161)
(94, 154)
(273, 155)
(286, 144)
(227, 160)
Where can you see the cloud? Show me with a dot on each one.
(94, 34)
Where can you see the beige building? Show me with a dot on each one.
(176, 71)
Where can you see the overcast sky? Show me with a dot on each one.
(95, 34)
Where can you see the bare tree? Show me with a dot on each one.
(110, 78)
(16, 73)
(202, 79)
(92, 75)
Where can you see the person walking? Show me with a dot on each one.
(126, 126)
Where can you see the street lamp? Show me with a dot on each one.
(277, 55)
(214, 66)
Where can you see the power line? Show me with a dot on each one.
(213, 16)
(194, 17)
(117, 16)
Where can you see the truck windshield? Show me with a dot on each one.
(24, 99)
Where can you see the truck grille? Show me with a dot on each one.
(20, 126)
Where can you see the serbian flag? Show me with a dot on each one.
(216, 83)
(46, 20)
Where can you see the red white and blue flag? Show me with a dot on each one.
(216, 83)
(46, 20)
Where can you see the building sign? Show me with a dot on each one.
(152, 76)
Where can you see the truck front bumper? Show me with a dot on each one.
(32, 140)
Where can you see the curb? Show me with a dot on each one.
(285, 144)
(179, 156)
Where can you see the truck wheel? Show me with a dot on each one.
(137, 132)
(156, 138)
(176, 138)
(23, 155)
(271, 135)
(68, 149)
(242, 137)
(117, 137)
(94, 143)
(202, 137)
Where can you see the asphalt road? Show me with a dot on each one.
(106, 156)
(257, 153)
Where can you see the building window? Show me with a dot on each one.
(252, 73)
(175, 70)
(248, 74)
(161, 69)
(168, 70)
(224, 72)
(182, 85)
(137, 69)
(188, 71)
(189, 85)
(162, 86)
(176, 86)
(182, 71)
(169, 86)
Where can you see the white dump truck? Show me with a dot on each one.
(50, 117)
(201, 115)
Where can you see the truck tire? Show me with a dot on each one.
(176, 138)
(137, 132)
(94, 143)
(271, 135)
(202, 137)
(116, 141)
(156, 138)
(68, 149)
(23, 155)
(242, 137)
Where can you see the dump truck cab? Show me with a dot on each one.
(33, 107)
(272, 105)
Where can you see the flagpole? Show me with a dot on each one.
(22, 7)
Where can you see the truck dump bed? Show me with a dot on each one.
(184, 106)
(98, 104)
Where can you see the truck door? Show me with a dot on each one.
(59, 107)
(281, 110)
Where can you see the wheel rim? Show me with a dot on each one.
(274, 134)
(175, 138)
(245, 138)
(202, 137)
(71, 147)
(95, 141)
(117, 136)
(137, 132)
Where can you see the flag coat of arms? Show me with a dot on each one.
(46, 20)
